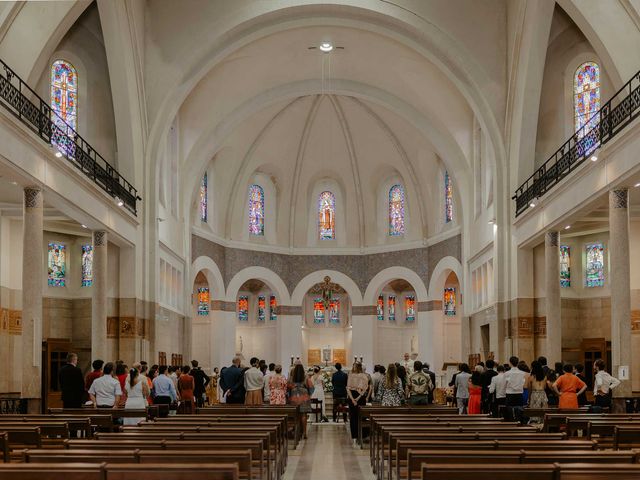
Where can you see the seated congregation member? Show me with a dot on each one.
(475, 391)
(390, 391)
(253, 383)
(300, 389)
(579, 372)
(568, 387)
(137, 391)
(339, 382)
(487, 375)
(163, 388)
(186, 385)
(95, 373)
(420, 385)
(105, 391)
(357, 392)
(277, 387)
(71, 383)
(536, 384)
(498, 391)
(603, 383)
(232, 383)
(462, 388)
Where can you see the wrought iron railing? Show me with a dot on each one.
(614, 115)
(13, 405)
(24, 103)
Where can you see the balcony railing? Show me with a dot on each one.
(614, 115)
(19, 99)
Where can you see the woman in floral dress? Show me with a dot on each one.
(390, 391)
(278, 388)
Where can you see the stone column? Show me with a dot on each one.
(430, 334)
(99, 297)
(32, 289)
(363, 335)
(619, 274)
(552, 290)
(290, 341)
(223, 333)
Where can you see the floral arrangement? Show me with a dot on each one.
(326, 381)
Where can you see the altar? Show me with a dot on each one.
(326, 356)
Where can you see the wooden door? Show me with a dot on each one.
(54, 356)
(592, 350)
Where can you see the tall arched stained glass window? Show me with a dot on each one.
(318, 311)
(203, 301)
(327, 216)
(64, 95)
(586, 95)
(380, 308)
(595, 265)
(410, 308)
(256, 210)
(565, 266)
(396, 211)
(450, 301)
(262, 304)
(448, 198)
(204, 206)
(87, 265)
(243, 308)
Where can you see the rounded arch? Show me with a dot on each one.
(340, 278)
(211, 271)
(260, 273)
(439, 276)
(387, 275)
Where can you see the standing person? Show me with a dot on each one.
(390, 391)
(71, 383)
(426, 368)
(164, 391)
(212, 388)
(568, 387)
(137, 391)
(462, 388)
(300, 389)
(536, 384)
(552, 396)
(266, 390)
(402, 373)
(95, 373)
(232, 382)
(498, 391)
(121, 375)
(487, 375)
(253, 383)
(475, 391)
(543, 361)
(318, 389)
(515, 379)
(419, 385)
(579, 372)
(173, 375)
(357, 390)
(603, 383)
(201, 380)
(375, 380)
(186, 386)
(105, 391)
(339, 381)
(407, 363)
(277, 387)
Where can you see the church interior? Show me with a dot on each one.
(423, 186)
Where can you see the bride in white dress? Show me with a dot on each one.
(137, 390)
(318, 389)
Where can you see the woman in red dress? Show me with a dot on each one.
(475, 394)
(186, 384)
(569, 387)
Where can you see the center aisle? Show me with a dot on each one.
(329, 454)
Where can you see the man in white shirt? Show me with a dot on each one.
(105, 392)
(498, 391)
(603, 384)
(266, 390)
(514, 382)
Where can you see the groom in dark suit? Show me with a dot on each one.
(71, 383)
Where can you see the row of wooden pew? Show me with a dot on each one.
(418, 443)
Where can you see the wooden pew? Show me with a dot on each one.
(77, 423)
(167, 471)
(23, 436)
(4, 446)
(49, 430)
(625, 436)
(47, 471)
(96, 455)
(242, 458)
(493, 472)
(593, 471)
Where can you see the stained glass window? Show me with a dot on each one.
(256, 210)
(396, 211)
(262, 307)
(586, 96)
(334, 311)
(87, 265)
(565, 266)
(595, 265)
(243, 308)
(56, 263)
(327, 216)
(391, 307)
(448, 198)
(449, 301)
(410, 306)
(203, 198)
(380, 308)
(273, 315)
(64, 96)
(318, 311)
(203, 301)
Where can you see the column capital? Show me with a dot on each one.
(99, 238)
(552, 237)
(619, 198)
(32, 197)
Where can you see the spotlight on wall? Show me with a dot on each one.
(119, 202)
(532, 204)
(326, 47)
(637, 185)
(58, 154)
(83, 226)
(594, 158)
(567, 227)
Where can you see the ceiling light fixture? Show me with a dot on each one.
(14, 183)
(594, 158)
(637, 185)
(119, 202)
(58, 154)
(567, 227)
(83, 226)
(326, 47)
(532, 204)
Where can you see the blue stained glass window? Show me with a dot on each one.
(396, 210)
(318, 311)
(64, 105)
(56, 265)
(565, 266)
(203, 301)
(334, 311)
(449, 301)
(448, 198)
(410, 306)
(256, 210)
(326, 216)
(87, 265)
(380, 308)
(203, 198)
(391, 307)
(273, 315)
(595, 265)
(262, 307)
(586, 96)
(243, 308)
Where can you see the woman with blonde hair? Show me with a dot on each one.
(390, 391)
(357, 392)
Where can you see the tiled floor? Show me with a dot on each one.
(328, 455)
